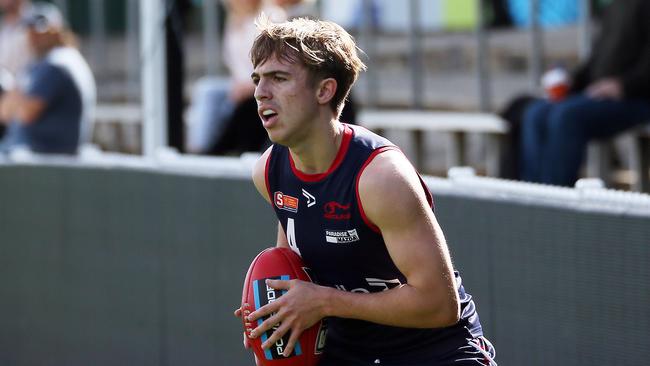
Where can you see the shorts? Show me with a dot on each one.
(476, 352)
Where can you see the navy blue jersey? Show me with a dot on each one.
(324, 222)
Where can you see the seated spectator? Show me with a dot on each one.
(610, 93)
(223, 115)
(15, 52)
(51, 109)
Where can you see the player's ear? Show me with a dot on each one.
(326, 90)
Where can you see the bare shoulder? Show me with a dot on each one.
(388, 171)
(389, 188)
(259, 174)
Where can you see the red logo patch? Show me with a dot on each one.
(337, 211)
(285, 202)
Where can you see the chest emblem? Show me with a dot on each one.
(341, 237)
(311, 200)
(285, 202)
(336, 211)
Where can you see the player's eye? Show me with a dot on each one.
(256, 80)
(279, 78)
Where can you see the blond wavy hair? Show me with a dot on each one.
(323, 47)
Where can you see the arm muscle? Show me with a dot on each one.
(394, 200)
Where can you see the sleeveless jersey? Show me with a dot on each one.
(324, 222)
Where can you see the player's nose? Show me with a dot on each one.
(262, 91)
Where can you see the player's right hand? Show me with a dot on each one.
(295, 311)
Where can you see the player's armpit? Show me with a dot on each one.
(282, 240)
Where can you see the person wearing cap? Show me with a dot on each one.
(50, 110)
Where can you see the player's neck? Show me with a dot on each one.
(317, 153)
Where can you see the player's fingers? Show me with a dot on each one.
(263, 311)
(277, 334)
(249, 328)
(243, 311)
(279, 284)
(293, 339)
(266, 325)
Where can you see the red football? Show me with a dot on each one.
(279, 263)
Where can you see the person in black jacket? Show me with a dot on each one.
(609, 93)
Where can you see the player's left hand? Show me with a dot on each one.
(298, 309)
(243, 312)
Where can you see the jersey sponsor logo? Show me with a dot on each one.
(341, 237)
(285, 202)
(311, 200)
(336, 211)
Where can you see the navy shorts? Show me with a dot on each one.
(476, 352)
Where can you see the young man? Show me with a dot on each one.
(363, 222)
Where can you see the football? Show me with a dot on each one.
(283, 264)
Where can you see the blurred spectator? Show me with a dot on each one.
(609, 93)
(15, 52)
(51, 109)
(223, 117)
(512, 113)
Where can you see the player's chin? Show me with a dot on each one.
(276, 136)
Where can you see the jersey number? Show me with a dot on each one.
(291, 235)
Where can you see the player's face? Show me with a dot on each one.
(286, 100)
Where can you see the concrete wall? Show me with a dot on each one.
(124, 267)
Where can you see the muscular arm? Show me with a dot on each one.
(393, 200)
